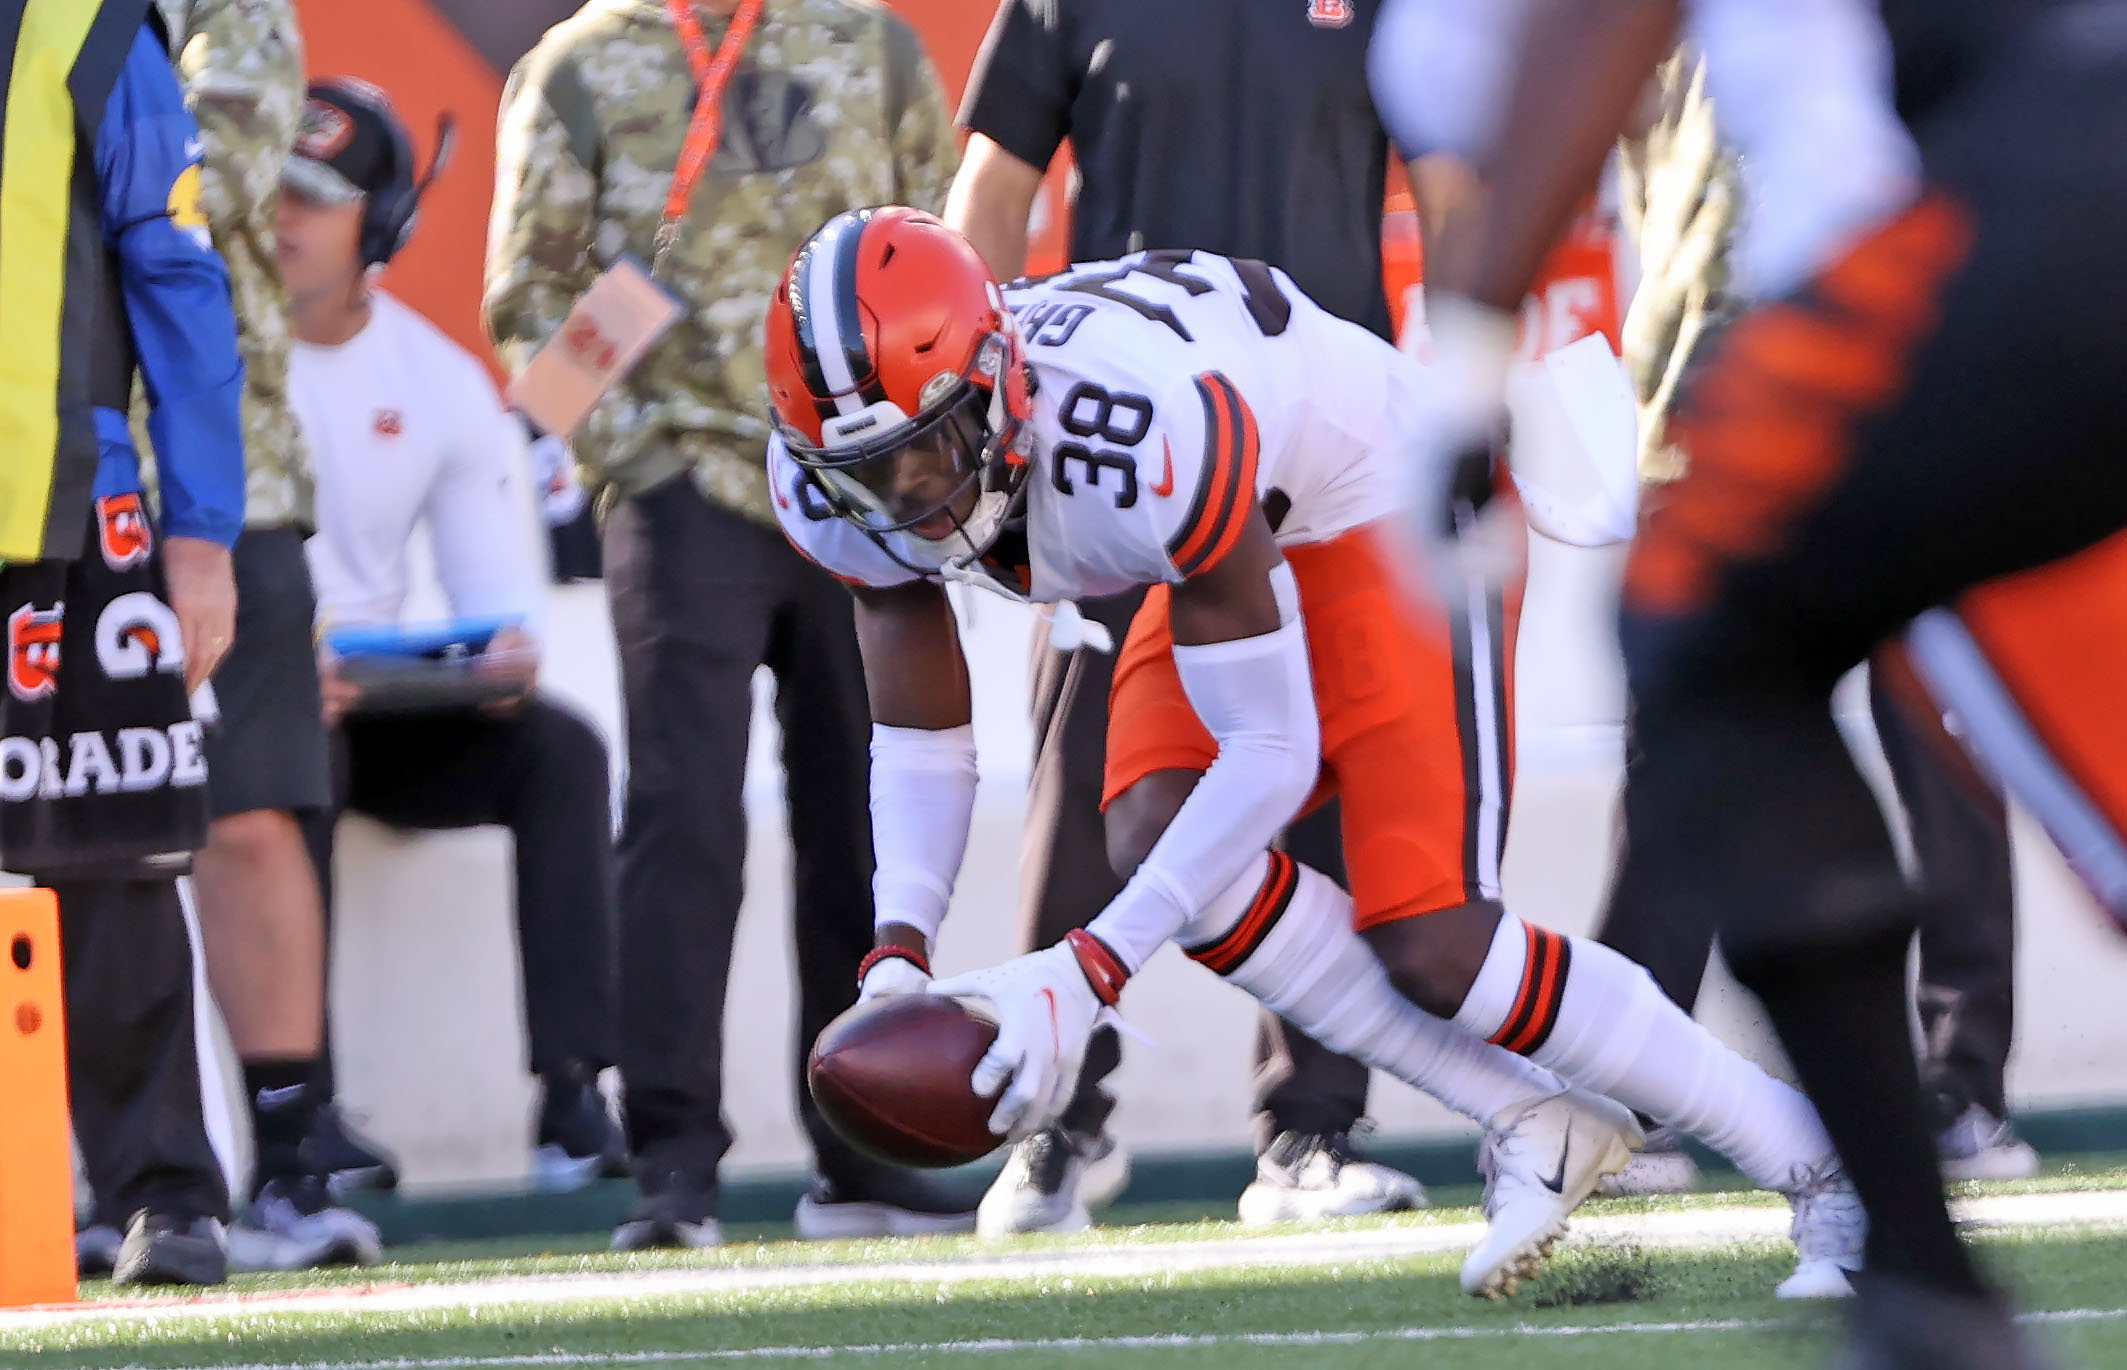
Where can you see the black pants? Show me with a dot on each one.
(702, 597)
(1960, 836)
(541, 773)
(102, 797)
(1065, 879)
(132, 1056)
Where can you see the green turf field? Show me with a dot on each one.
(1163, 1296)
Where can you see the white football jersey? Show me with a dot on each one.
(1165, 384)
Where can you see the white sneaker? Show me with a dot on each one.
(1052, 1182)
(1310, 1176)
(1662, 1166)
(1540, 1160)
(827, 1214)
(1830, 1230)
(1980, 1146)
(295, 1225)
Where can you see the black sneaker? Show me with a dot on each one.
(899, 1204)
(96, 1250)
(579, 1139)
(1898, 1325)
(349, 1160)
(674, 1213)
(163, 1250)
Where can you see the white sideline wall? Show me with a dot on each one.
(425, 989)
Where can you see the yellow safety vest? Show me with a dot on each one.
(65, 347)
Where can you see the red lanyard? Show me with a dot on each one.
(705, 132)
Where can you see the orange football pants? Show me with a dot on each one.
(1416, 724)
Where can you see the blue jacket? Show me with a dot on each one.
(176, 290)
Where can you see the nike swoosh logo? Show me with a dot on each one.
(1557, 1183)
(1055, 1030)
(1166, 480)
(276, 1098)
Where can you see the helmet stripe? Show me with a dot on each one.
(801, 320)
(833, 255)
(847, 313)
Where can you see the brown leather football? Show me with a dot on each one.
(892, 1077)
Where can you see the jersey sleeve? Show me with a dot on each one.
(1020, 91)
(1208, 473)
(148, 159)
(834, 544)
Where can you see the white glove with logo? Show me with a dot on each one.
(887, 976)
(561, 495)
(1046, 1011)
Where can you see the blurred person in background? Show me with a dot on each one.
(114, 618)
(407, 431)
(240, 63)
(1847, 478)
(1183, 134)
(828, 106)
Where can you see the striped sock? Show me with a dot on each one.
(1284, 933)
(1600, 1021)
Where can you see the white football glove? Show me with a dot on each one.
(890, 976)
(1046, 1011)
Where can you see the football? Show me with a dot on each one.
(892, 1077)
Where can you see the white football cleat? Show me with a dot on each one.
(1830, 1230)
(1540, 1160)
(1311, 1176)
(1052, 1183)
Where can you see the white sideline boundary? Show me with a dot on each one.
(1681, 1229)
(1008, 1346)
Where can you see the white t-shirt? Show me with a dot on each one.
(407, 429)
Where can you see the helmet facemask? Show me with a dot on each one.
(950, 483)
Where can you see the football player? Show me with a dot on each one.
(1922, 407)
(1195, 424)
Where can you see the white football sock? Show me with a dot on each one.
(1284, 933)
(1600, 1021)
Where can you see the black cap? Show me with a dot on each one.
(348, 144)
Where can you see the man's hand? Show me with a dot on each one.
(1460, 534)
(340, 694)
(1046, 1012)
(201, 578)
(512, 657)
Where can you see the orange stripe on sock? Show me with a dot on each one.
(1270, 901)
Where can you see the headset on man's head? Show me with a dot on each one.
(391, 211)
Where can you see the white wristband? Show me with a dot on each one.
(922, 803)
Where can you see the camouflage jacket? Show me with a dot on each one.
(1679, 190)
(833, 106)
(241, 65)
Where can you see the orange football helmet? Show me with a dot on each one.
(899, 384)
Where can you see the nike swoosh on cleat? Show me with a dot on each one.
(1165, 487)
(1557, 1183)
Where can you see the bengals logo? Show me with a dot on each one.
(1330, 14)
(122, 522)
(137, 633)
(33, 650)
(390, 423)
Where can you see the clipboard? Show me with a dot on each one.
(610, 328)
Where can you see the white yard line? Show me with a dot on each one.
(1008, 1346)
(1092, 1260)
